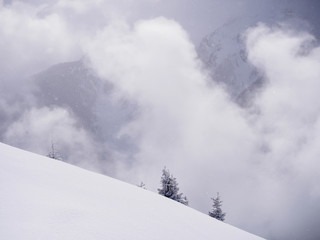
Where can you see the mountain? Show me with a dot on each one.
(42, 198)
(224, 52)
(70, 85)
(74, 86)
(90, 99)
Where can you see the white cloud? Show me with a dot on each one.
(30, 43)
(209, 143)
(37, 129)
(184, 124)
(288, 124)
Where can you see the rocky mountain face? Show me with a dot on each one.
(224, 54)
(91, 100)
(69, 85)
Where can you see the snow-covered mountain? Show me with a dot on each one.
(74, 86)
(42, 198)
(91, 101)
(70, 85)
(224, 52)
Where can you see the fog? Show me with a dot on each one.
(262, 159)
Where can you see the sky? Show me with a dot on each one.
(261, 159)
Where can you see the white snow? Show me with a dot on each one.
(42, 198)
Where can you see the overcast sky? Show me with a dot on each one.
(263, 160)
(200, 18)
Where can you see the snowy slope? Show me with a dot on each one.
(47, 199)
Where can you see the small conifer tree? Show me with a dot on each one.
(142, 185)
(170, 188)
(216, 211)
(54, 154)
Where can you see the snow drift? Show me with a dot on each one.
(42, 198)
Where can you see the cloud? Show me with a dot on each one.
(288, 123)
(184, 122)
(252, 157)
(34, 36)
(30, 42)
(38, 129)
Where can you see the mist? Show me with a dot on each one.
(155, 104)
(210, 143)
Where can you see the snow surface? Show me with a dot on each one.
(42, 198)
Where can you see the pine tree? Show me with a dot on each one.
(170, 188)
(142, 185)
(216, 211)
(54, 154)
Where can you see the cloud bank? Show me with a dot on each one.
(288, 123)
(262, 160)
(38, 129)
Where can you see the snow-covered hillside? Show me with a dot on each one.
(42, 198)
